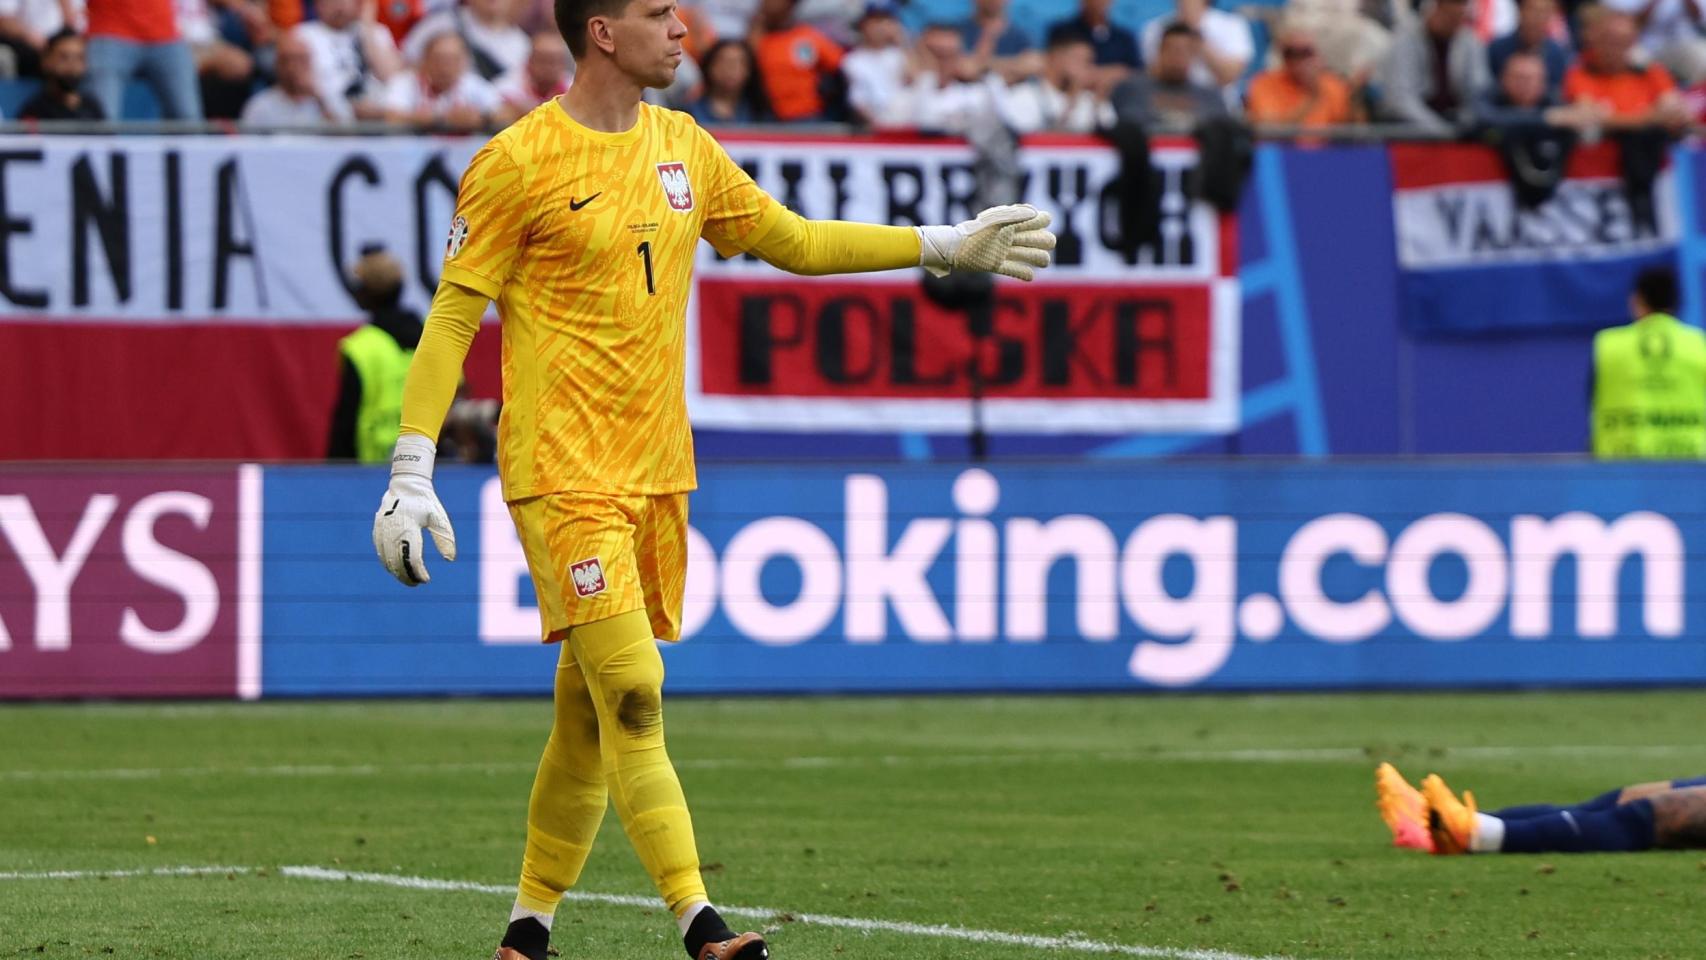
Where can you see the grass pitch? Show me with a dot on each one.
(1146, 826)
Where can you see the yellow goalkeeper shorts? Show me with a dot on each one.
(595, 556)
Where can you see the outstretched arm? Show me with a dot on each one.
(818, 247)
(1010, 240)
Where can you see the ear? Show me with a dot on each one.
(598, 34)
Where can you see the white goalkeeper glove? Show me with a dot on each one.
(1010, 240)
(409, 505)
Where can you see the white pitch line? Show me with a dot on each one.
(114, 874)
(857, 924)
(1231, 755)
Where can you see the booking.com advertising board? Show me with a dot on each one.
(251, 581)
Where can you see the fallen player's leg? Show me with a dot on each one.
(1669, 814)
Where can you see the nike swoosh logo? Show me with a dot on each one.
(577, 204)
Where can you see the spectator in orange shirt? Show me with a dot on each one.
(1301, 92)
(1607, 74)
(400, 16)
(794, 60)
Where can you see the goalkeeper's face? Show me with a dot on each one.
(647, 40)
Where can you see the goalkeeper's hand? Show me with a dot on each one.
(409, 505)
(1011, 240)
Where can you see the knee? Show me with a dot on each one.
(633, 695)
(639, 712)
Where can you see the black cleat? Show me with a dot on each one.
(747, 946)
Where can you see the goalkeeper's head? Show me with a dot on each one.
(640, 40)
(377, 280)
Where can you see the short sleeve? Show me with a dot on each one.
(829, 53)
(1237, 42)
(738, 213)
(1259, 102)
(490, 225)
(1660, 79)
(1149, 44)
(381, 37)
(400, 94)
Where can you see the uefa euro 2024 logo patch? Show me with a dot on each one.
(675, 186)
(458, 235)
(588, 576)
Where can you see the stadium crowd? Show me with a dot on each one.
(1033, 65)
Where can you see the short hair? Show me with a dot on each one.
(572, 16)
(377, 278)
(60, 36)
(1066, 35)
(1177, 29)
(1656, 286)
(1521, 54)
(439, 37)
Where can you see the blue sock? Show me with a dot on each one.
(1620, 829)
(1528, 812)
(1604, 801)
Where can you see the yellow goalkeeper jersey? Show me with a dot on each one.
(585, 240)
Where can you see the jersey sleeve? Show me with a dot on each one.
(1660, 80)
(490, 226)
(738, 213)
(436, 369)
(829, 53)
(819, 247)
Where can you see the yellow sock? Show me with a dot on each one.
(569, 796)
(625, 676)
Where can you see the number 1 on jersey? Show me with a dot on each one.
(645, 251)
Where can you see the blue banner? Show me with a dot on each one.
(813, 578)
(1473, 259)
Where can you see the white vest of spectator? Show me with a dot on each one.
(341, 70)
(409, 93)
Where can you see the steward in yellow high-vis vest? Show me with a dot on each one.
(373, 363)
(1649, 380)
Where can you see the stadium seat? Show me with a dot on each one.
(14, 91)
(918, 15)
(1133, 14)
(139, 100)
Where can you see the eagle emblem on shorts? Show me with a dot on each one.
(588, 576)
(676, 187)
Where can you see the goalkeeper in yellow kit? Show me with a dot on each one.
(581, 221)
